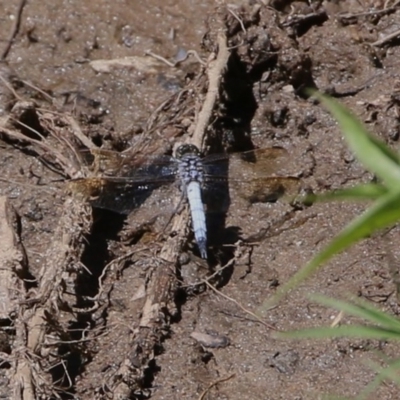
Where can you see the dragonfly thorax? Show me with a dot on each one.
(190, 164)
(191, 169)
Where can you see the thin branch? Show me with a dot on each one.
(386, 38)
(14, 30)
(215, 74)
(227, 378)
(260, 320)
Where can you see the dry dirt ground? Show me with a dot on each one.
(95, 305)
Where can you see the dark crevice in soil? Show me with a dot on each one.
(106, 227)
(65, 373)
(30, 124)
(238, 106)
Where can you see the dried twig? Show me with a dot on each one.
(50, 99)
(64, 162)
(72, 227)
(31, 378)
(13, 259)
(386, 38)
(69, 165)
(76, 129)
(238, 19)
(177, 62)
(47, 188)
(14, 30)
(215, 74)
(385, 10)
(160, 58)
(260, 320)
(227, 378)
(22, 378)
(67, 247)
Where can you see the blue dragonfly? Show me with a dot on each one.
(123, 181)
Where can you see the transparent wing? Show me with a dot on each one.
(123, 181)
(267, 189)
(116, 195)
(258, 175)
(265, 161)
(136, 167)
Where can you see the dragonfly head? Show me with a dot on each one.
(186, 149)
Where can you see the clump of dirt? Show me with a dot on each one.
(95, 304)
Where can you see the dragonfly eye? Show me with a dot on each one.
(185, 149)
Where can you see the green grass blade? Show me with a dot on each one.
(379, 159)
(372, 152)
(333, 397)
(356, 331)
(383, 213)
(374, 384)
(389, 373)
(368, 191)
(360, 309)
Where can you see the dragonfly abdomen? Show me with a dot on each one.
(193, 191)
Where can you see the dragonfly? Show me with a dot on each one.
(123, 181)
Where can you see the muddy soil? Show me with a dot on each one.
(98, 305)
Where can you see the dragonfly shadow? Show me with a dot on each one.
(233, 134)
(224, 239)
(217, 200)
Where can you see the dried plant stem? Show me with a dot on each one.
(215, 74)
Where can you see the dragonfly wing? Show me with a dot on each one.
(262, 162)
(119, 195)
(267, 189)
(273, 161)
(137, 167)
(258, 175)
(217, 195)
(123, 181)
